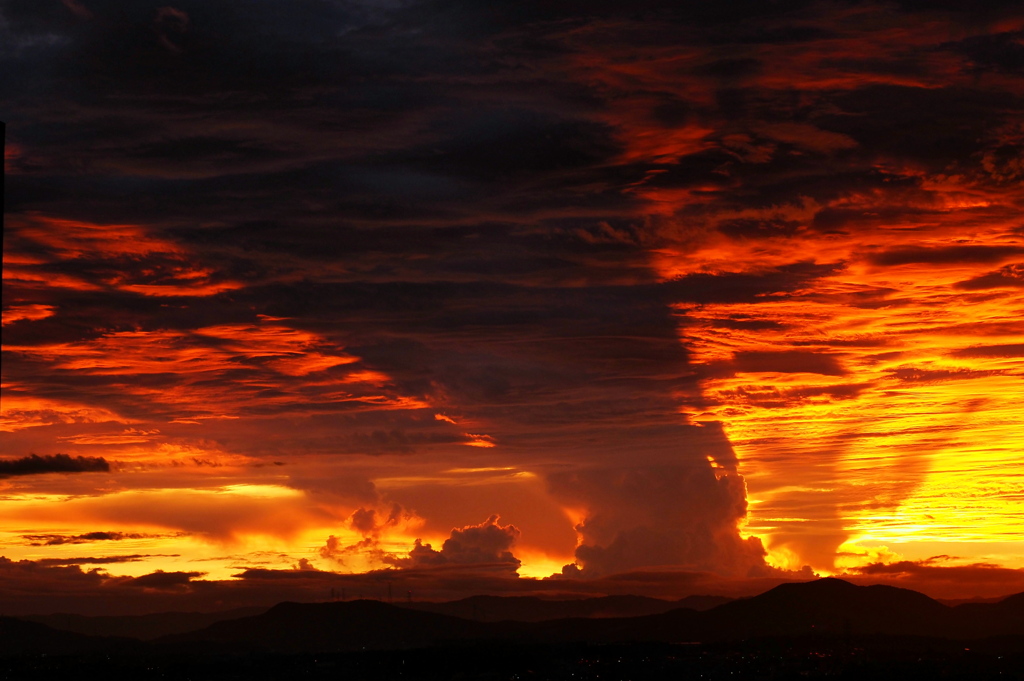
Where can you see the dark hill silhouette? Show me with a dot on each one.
(830, 606)
(337, 627)
(702, 602)
(533, 609)
(143, 627)
(829, 609)
(18, 637)
(992, 619)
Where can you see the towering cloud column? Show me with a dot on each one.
(681, 513)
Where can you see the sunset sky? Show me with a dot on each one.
(509, 297)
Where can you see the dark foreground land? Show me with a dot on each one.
(764, 660)
(827, 629)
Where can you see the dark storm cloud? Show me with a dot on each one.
(541, 137)
(836, 392)
(271, 135)
(547, 359)
(941, 576)
(163, 580)
(687, 518)
(939, 127)
(999, 350)
(737, 287)
(94, 560)
(1010, 276)
(221, 150)
(758, 229)
(88, 537)
(505, 144)
(741, 322)
(841, 219)
(419, 334)
(789, 361)
(911, 374)
(947, 255)
(34, 464)
(1000, 52)
(399, 441)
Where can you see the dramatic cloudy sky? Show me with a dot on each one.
(449, 291)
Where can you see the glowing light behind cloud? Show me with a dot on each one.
(912, 437)
(875, 401)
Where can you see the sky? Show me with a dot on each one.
(505, 297)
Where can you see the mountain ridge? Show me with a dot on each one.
(829, 608)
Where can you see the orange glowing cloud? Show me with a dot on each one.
(34, 312)
(832, 327)
(72, 239)
(126, 257)
(226, 514)
(867, 373)
(259, 355)
(20, 409)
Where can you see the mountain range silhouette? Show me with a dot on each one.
(827, 608)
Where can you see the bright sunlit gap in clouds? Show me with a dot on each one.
(880, 407)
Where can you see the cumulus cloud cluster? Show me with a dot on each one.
(687, 518)
(371, 524)
(485, 544)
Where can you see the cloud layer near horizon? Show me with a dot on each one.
(39, 587)
(631, 280)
